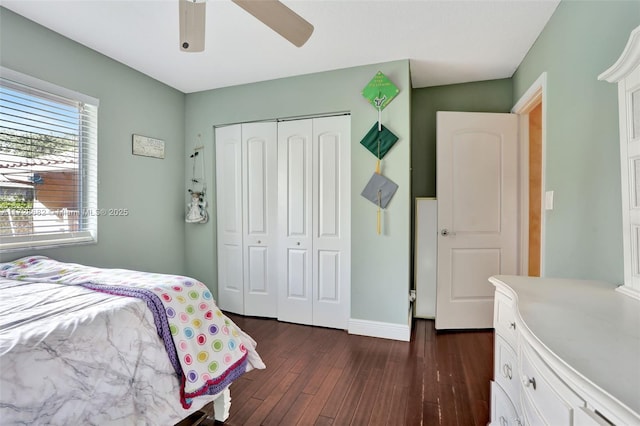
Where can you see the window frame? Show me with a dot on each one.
(87, 168)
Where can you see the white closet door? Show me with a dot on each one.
(295, 296)
(331, 221)
(229, 212)
(314, 212)
(260, 191)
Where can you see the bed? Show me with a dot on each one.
(91, 346)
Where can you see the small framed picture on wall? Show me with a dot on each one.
(147, 147)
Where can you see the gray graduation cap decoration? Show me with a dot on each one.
(379, 191)
(379, 141)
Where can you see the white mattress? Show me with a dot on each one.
(73, 356)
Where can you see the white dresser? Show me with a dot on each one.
(567, 352)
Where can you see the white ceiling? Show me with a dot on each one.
(447, 41)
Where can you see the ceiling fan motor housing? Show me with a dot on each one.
(192, 25)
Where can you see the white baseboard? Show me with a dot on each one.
(383, 330)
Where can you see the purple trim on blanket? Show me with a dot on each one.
(157, 309)
(215, 386)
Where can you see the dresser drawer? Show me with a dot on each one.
(504, 318)
(550, 399)
(506, 368)
(503, 411)
(586, 417)
(530, 415)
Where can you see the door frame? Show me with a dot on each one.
(535, 94)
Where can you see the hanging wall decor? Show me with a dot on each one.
(379, 142)
(197, 208)
(380, 91)
(379, 191)
(147, 147)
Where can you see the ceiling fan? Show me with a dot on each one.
(272, 13)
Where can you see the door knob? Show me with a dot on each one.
(444, 232)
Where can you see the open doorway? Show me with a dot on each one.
(535, 189)
(531, 108)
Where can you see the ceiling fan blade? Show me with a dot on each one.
(192, 24)
(279, 18)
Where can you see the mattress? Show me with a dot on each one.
(70, 354)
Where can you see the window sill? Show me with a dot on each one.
(12, 244)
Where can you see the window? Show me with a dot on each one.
(48, 164)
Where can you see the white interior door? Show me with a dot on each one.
(259, 151)
(229, 214)
(314, 213)
(331, 221)
(477, 188)
(295, 179)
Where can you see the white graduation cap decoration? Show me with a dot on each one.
(379, 191)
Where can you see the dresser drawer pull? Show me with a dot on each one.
(507, 372)
(512, 325)
(526, 381)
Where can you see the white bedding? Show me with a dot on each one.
(74, 356)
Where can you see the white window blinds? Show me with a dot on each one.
(48, 164)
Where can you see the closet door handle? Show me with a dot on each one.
(259, 242)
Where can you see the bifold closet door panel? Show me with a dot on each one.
(295, 166)
(229, 208)
(283, 204)
(331, 221)
(260, 192)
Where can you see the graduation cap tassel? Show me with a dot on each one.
(379, 119)
(378, 162)
(379, 211)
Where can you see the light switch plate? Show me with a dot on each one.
(548, 200)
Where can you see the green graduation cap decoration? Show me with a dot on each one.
(379, 141)
(379, 191)
(380, 91)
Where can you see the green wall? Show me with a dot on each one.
(482, 96)
(583, 237)
(152, 236)
(380, 266)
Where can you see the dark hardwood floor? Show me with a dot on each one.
(319, 376)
